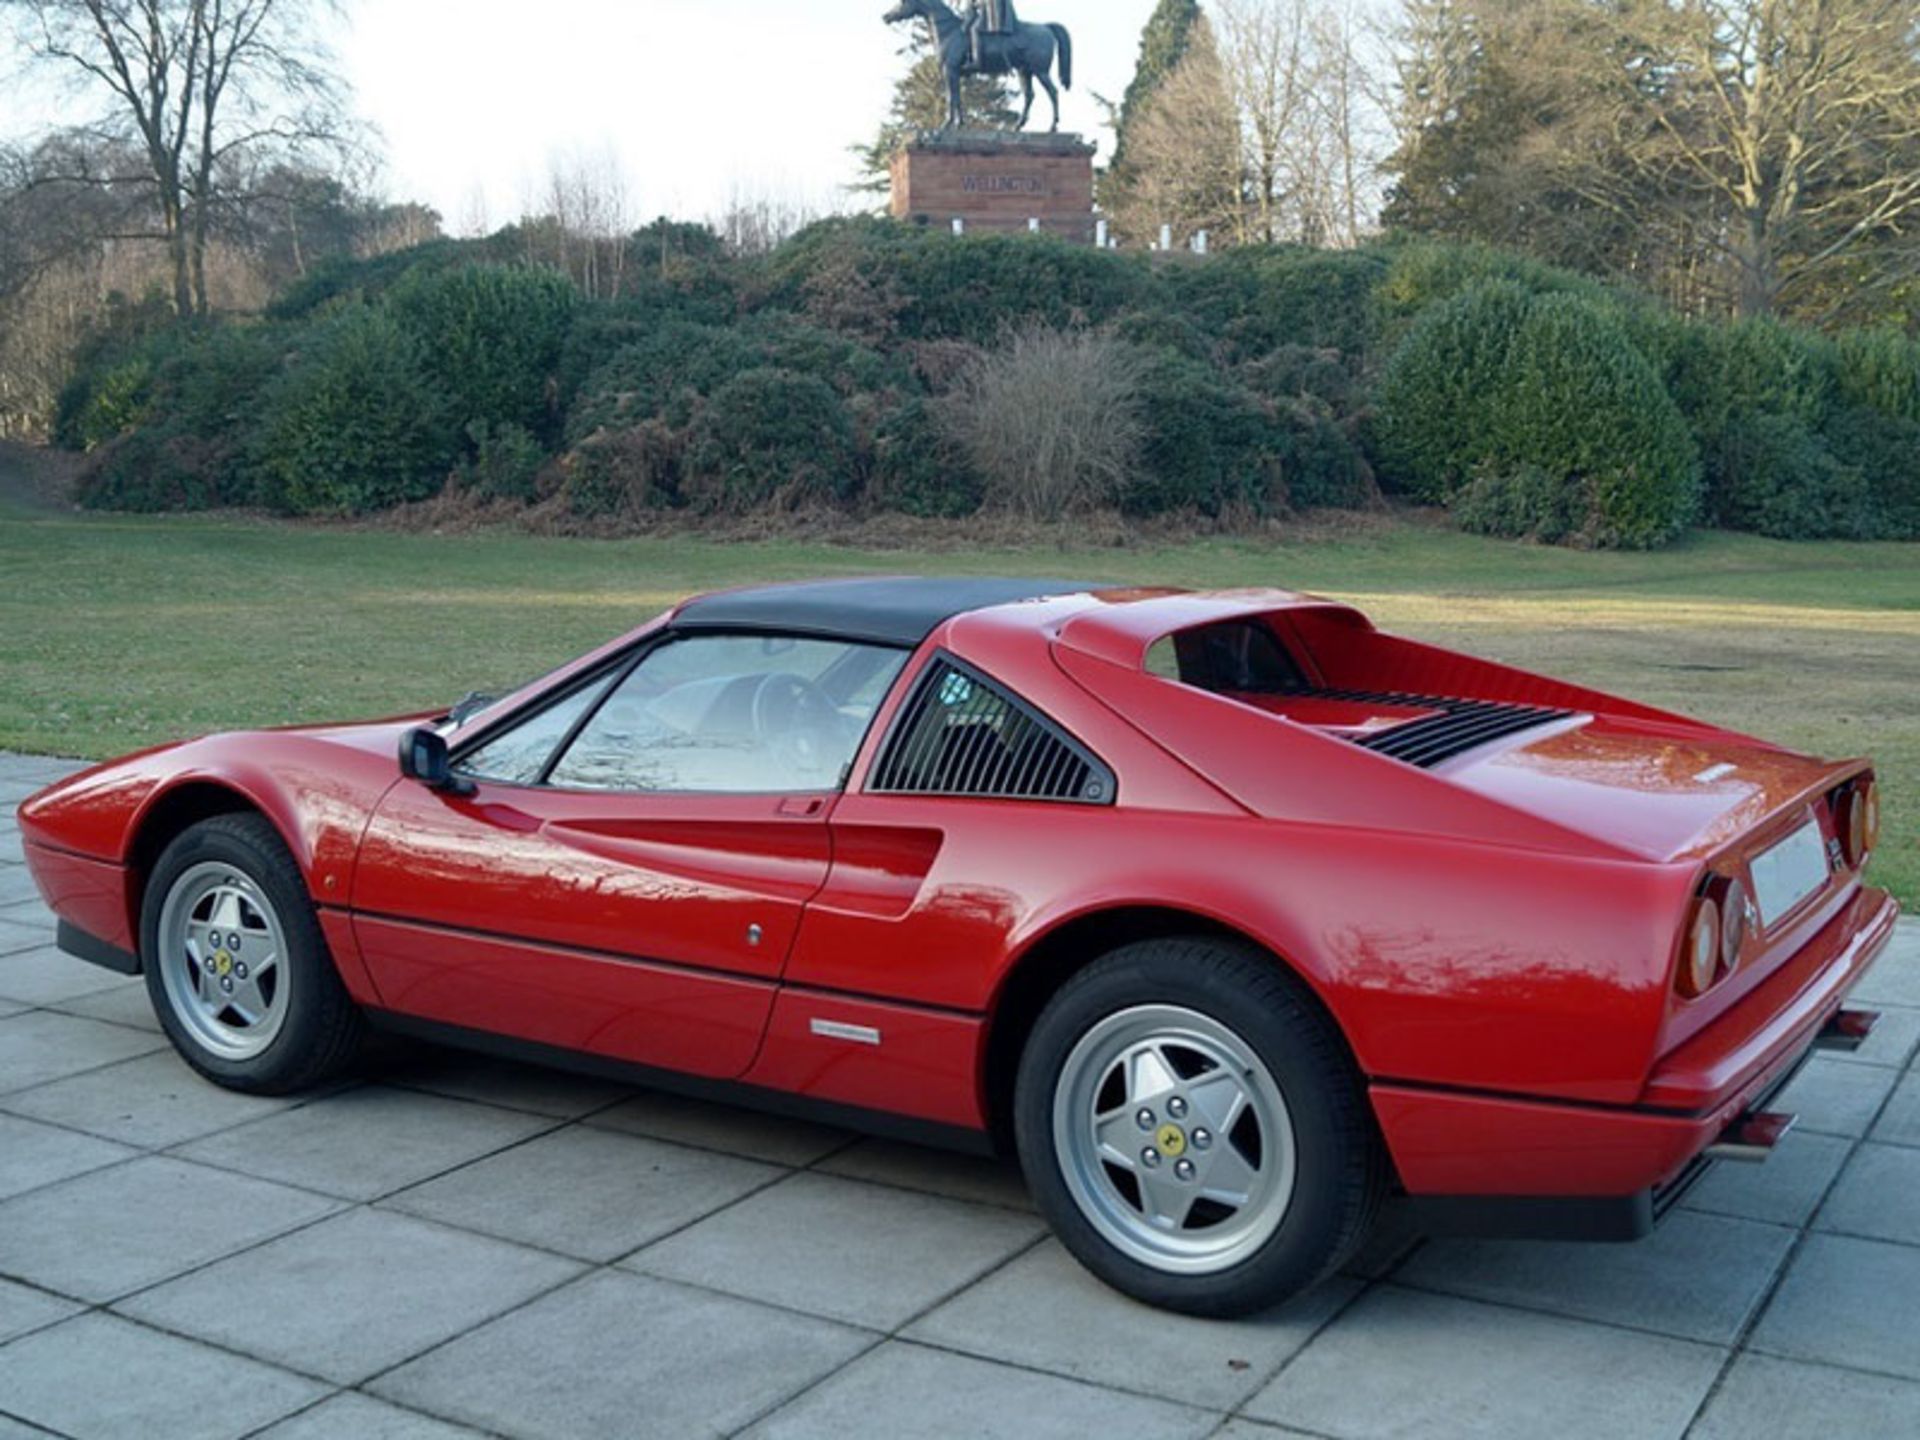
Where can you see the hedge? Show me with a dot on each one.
(1500, 378)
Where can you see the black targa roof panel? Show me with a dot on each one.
(890, 611)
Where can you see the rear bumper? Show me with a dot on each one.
(1484, 1164)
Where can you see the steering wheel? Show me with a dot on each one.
(798, 723)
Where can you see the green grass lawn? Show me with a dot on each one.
(117, 632)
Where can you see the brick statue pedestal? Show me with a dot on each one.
(996, 181)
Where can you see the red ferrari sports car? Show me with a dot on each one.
(1232, 913)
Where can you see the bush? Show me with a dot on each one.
(147, 471)
(490, 337)
(1300, 372)
(1439, 401)
(1051, 421)
(504, 463)
(622, 474)
(916, 467)
(1524, 503)
(1424, 273)
(1211, 445)
(1879, 370)
(770, 437)
(1259, 298)
(668, 371)
(1777, 478)
(1320, 466)
(1500, 378)
(1885, 450)
(1720, 373)
(344, 280)
(105, 404)
(974, 287)
(355, 424)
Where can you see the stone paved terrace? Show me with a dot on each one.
(450, 1247)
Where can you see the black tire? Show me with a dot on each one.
(1340, 1167)
(322, 1029)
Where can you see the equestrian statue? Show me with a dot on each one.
(991, 40)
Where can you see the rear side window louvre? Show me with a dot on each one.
(960, 734)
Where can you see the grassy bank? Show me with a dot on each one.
(117, 632)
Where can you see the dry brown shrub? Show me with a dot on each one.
(1051, 420)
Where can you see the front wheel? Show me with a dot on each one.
(1194, 1129)
(236, 965)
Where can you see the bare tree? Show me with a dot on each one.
(1794, 124)
(198, 87)
(1184, 161)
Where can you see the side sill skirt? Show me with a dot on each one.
(725, 1092)
(74, 941)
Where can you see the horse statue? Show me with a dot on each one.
(1028, 50)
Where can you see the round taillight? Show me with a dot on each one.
(1733, 925)
(1700, 966)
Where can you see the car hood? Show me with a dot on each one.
(1646, 789)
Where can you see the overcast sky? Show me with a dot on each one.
(694, 100)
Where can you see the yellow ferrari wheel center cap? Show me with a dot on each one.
(1172, 1140)
(223, 962)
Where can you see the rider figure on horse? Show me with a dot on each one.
(984, 18)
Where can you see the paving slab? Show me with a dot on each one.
(44, 976)
(1878, 1196)
(11, 1429)
(18, 935)
(23, 1308)
(866, 1254)
(127, 1005)
(1893, 1043)
(32, 1155)
(590, 1193)
(735, 1131)
(1895, 977)
(1900, 1124)
(1699, 1277)
(938, 1172)
(906, 1392)
(1045, 1312)
(1784, 1191)
(349, 1416)
(16, 885)
(157, 1387)
(39, 1046)
(617, 1354)
(1406, 1366)
(352, 1296)
(1835, 1099)
(117, 1230)
(153, 1101)
(12, 852)
(1847, 1302)
(368, 1142)
(1785, 1400)
(536, 1088)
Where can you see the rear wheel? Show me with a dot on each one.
(237, 968)
(1194, 1129)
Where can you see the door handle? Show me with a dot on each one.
(802, 807)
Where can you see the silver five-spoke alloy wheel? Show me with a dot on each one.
(222, 958)
(1174, 1139)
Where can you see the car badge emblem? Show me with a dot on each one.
(1172, 1140)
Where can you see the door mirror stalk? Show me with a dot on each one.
(425, 757)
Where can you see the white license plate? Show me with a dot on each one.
(1789, 872)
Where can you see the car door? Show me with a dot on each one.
(628, 868)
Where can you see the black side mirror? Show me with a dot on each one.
(424, 756)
